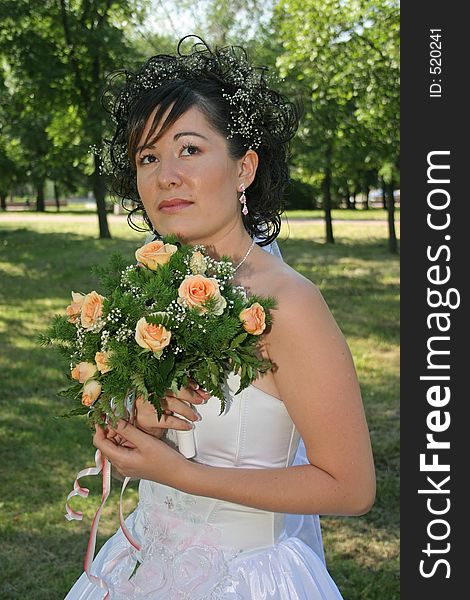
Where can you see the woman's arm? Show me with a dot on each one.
(316, 379)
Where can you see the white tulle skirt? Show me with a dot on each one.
(288, 570)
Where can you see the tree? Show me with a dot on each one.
(65, 49)
(7, 166)
(7, 175)
(342, 53)
(381, 112)
(229, 21)
(29, 67)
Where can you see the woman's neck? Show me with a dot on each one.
(233, 243)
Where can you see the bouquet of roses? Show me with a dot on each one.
(172, 317)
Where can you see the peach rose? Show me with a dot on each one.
(73, 309)
(91, 391)
(196, 290)
(197, 263)
(92, 309)
(154, 254)
(254, 319)
(152, 337)
(83, 371)
(101, 360)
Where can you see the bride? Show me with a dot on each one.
(201, 145)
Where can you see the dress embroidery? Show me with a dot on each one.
(169, 502)
(181, 557)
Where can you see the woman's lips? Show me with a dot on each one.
(173, 206)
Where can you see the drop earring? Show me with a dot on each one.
(243, 199)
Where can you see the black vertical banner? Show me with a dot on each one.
(435, 234)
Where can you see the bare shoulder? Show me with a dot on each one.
(294, 292)
(301, 315)
(295, 296)
(274, 277)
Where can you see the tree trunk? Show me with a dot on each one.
(57, 196)
(384, 196)
(353, 206)
(366, 202)
(3, 200)
(99, 192)
(327, 198)
(392, 236)
(40, 203)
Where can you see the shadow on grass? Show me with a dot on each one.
(357, 582)
(28, 368)
(40, 566)
(40, 452)
(44, 264)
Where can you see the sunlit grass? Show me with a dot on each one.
(41, 261)
(344, 214)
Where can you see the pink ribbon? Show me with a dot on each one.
(130, 538)
(101, 466)
(83, 492)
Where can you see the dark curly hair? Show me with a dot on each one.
(237, 101)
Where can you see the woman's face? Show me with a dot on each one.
(187, 181)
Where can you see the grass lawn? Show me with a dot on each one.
(41, 261)
(344, 214)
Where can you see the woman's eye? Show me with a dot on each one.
(190, 149)
(147, 159)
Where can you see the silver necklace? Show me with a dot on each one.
(235, 269)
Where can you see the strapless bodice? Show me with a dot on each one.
(255, 430)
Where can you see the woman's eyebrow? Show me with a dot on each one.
(175, 137)
(178, 135)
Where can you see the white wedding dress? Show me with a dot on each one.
(198, 548)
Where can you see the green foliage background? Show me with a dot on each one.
(339, 58)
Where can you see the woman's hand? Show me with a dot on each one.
(146, 417)
(136, 454)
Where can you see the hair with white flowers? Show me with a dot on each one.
(236, 98)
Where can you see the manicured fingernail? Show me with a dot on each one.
(197, 416)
